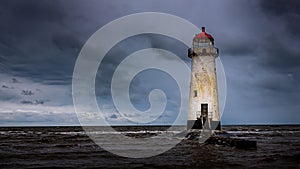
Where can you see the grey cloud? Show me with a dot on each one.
(38, 118)
(7, 96)
(4, 86)
(36, 102)
(146, 81)
(258, 42)
(27, 92)
(66, 41)
(29, 33)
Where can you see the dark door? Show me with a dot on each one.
(204, 113)
(204, 110)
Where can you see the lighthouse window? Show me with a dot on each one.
(203, 44)
(195, 93)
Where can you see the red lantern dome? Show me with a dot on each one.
(204, 35)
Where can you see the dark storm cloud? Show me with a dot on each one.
(119, 52)
(66, 41)
(36, 42)
(281, 7)
(42, 39)
(145, 81)
(279, 49)
(258, 41)
(283, 44)
(266, 77)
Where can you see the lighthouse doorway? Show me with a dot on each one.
(204, 113)
(204, 110)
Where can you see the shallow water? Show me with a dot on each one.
(70, 147)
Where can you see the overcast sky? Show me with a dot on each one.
(40, 40)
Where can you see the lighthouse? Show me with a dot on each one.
(203, 112)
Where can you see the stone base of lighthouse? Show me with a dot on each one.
(197, 124)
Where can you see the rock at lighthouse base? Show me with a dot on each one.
(222, 138)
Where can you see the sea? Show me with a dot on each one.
(278, 146)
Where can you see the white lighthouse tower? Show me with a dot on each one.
(203, 110)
